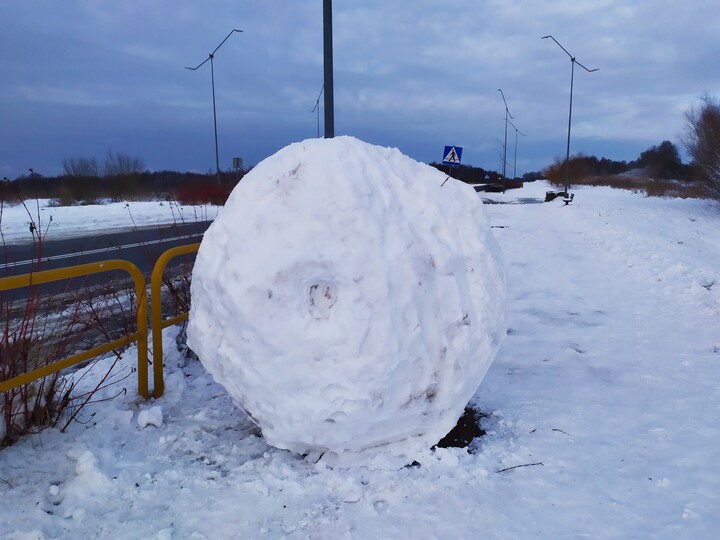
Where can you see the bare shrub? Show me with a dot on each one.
(702, 141)
(81, 167)
(651, 187)
(582, 168)
(43, 328)
(205, 193)
(33, 337)
(119, 164)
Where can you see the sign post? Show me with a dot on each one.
(452, 155)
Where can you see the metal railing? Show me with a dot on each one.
(140, 336)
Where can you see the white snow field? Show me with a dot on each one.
(605, 397)
(350, 300)
(55, 222)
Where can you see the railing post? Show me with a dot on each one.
(156, 312)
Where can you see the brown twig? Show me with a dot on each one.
(560, 430)
(518, 466)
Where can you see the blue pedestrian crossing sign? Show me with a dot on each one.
(452, 155)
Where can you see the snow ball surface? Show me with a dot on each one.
(348, 301)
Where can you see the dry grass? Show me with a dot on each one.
(648, 186)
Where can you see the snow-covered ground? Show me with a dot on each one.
(604, 413)
(57, 222)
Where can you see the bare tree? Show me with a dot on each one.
(80, 167)
(702, 140)
(119, 164)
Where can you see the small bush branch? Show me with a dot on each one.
(518, 466)
(45, 328)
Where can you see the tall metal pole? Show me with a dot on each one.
(516, 141)
(567, 152)
(515, 160)
(217, 153)
(328, 70)
(507, 113)
(573, 61)
(210, 57)
(504, 167)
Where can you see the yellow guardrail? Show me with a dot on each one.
(140, 336)
(158, 324)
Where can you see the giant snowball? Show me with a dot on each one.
(348, 301)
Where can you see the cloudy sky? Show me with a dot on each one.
(81, 77)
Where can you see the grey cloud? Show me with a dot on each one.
(80, 77)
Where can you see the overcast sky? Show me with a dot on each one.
(81, 77)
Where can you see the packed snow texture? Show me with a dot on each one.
(348, 301)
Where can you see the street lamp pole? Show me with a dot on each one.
(516, 139)
(573, 61)
(210, 57)
(328, 70)
(507, 113)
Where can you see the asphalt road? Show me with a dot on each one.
(142, 247)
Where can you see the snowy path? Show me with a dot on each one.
(610, 378)
(624, 334)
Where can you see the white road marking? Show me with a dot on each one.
(94, 251)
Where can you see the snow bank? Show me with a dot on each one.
(347, 300)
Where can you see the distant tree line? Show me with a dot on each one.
(121, 177)
(477, 175)
(662, 161)
(116, 164)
